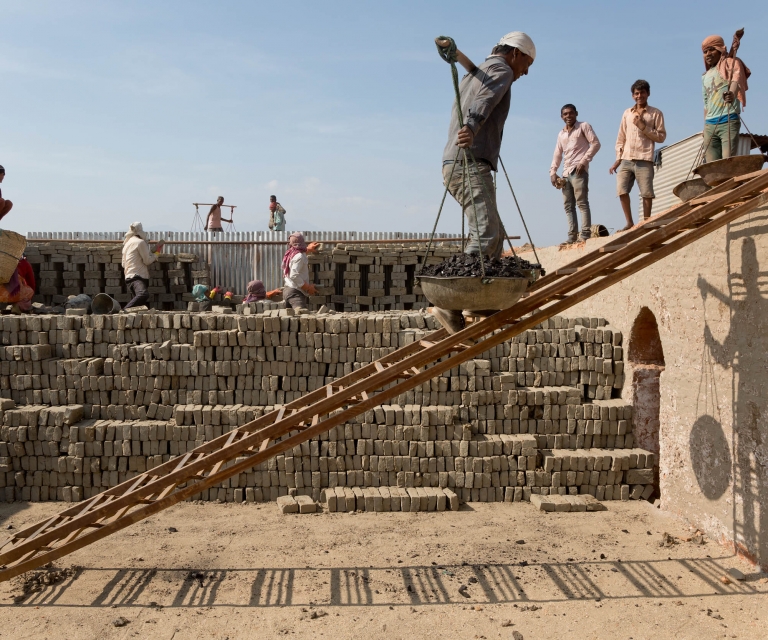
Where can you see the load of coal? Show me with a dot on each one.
(467, 265)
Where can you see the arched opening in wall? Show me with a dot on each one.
(646, 356)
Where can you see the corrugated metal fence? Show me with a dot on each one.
(235, 258)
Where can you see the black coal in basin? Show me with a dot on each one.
(468, 265)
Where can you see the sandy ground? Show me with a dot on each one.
(245, 571)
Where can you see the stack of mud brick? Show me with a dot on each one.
(66, 268)
(369, 277)
(91, 401)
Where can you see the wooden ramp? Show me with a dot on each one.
(86, 522)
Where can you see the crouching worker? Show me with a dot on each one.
(136, 260)
(297, 288)
(200, 292)
(18, 290)
(256, 292)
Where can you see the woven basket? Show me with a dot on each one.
(12, 247)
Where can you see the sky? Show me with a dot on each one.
(119, 111)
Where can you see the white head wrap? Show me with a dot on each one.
(136, 229)
(520, 41)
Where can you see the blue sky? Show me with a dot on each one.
(122, 111)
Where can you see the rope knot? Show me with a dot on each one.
(446, 47)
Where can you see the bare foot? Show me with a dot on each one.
(626, 228)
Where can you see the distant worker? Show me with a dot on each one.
(213, 221)
(276, 215)
(295, 265)
(576, 144)
(136, 260)
(485, 100)
(5, 205)
(256, 292)
(724, 88)
(642, 126)
(200, 293)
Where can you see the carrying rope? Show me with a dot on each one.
(449, 53)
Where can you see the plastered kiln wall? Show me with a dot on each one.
(711, 304)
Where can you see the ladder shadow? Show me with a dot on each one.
(511, 583)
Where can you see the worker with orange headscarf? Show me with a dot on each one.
(724, 88)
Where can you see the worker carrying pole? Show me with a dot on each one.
(485, 98)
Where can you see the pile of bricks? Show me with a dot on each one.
(64, 268)
(372, 277)
(91, 401)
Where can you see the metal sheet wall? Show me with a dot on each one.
(232, 266)
(677, 165)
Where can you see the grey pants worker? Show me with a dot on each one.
(295, 298)
(717, 138)
(138, 288)
(480, 188)
(576, 193)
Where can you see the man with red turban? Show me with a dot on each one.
(724, 88)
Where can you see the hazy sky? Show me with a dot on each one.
(122, 111)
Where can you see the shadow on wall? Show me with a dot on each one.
(745, 352)
(646, 357)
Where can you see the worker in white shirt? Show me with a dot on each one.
(297, 288)
(136, 260)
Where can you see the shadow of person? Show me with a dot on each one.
(745, 351)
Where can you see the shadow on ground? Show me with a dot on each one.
(396, 585)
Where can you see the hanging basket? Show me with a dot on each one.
(12, 247)
(474, 293)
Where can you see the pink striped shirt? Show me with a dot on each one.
(577, 146)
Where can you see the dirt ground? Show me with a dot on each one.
(487, 571)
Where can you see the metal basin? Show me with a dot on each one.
(717, 172)
(469, 293)
(691, 189)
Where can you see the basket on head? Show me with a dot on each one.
(12, 247)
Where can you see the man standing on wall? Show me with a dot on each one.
(276, 215)
(724, 88)
(577, 144)
(485, 100)
(642, 126)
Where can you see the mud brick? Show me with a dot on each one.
(305, 504)
(639, 476)
(287, 504)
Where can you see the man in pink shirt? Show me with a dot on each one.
(576, 144)
(642, 126)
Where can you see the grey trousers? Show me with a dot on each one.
(576, 193)
(717, 137)
(481, 190)
(138, 288)
(295, 298)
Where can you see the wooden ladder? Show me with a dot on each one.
(318, 411)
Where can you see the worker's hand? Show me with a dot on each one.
(639, 122)
(553, 179)
(312, 247)
(465, 138)
(309, 289)
(614, 166)
(274, 293)
(580, 169)
(728, 97)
